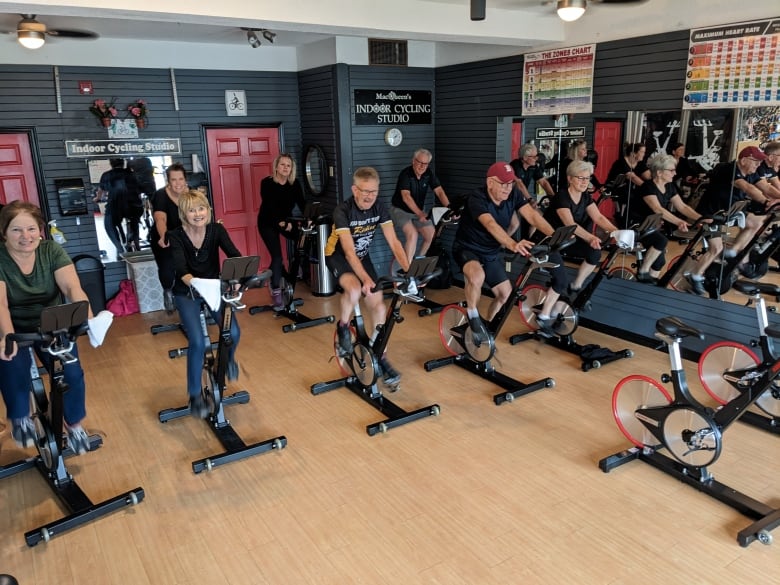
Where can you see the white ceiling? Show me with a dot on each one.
(443, 28)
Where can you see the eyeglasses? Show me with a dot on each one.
(672, 169)
(421, 163)
(370, 192)
(582, 178)
(504, 185)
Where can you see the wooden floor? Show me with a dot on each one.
(482, 494)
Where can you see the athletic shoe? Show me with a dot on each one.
(345, 339)
(478, 332)
(198, 407)
(545, 326)
(572, 292)
(646, 278)
(390, 375)
(276, 299)
(232, 370)
(23, 432)
(78, 440)
(168, 303)
(696, 285)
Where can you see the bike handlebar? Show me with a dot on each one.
(26, 339)
(384, 282)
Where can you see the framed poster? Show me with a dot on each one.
(709, 137)
(733, 65)
(235, 102)
(660, 131)
(559, 81)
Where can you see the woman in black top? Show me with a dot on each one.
(631, 167)
(574, 206)
(195, 247)
(165, 208)
(279, 194)
(658, 195)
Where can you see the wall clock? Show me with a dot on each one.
(393, 136)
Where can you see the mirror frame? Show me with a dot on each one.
(315, 156)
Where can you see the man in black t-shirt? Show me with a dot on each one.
(731, 182)
(486, 226)
(408, 204)
(528, 172)
(355, 222)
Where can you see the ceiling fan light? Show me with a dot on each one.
(571, 10)
(269, 36)
(31, 39)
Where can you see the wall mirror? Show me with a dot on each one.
(710, 136)
(316, 169)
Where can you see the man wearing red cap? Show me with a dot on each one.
(486, 226)
(729, 183)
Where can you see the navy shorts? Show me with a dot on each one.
(338, 265)
(492, 264)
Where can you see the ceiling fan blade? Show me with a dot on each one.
(478, 9)
(73, 34)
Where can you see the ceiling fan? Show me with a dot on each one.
(31, 34)
(568, 10)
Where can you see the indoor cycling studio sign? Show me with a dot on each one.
(377, 107)
(129, 147)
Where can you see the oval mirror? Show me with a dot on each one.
(316, 169)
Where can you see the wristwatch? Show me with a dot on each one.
(393, 136)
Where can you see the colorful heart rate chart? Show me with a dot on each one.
(735, 65)
(559, 81)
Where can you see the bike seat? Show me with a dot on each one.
(674, 327)
(751, 288)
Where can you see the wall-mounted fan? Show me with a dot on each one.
(32, 34)
(567, 9)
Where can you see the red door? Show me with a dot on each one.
(17, 173)
(608, 142)
(517, 139)
(239, 158)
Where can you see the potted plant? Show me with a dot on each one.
(104, 111)
(138, 110)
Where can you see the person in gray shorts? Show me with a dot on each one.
(408, 211)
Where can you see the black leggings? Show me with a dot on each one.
(658, 241)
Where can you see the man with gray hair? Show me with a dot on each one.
(529, 173)
(408, 203)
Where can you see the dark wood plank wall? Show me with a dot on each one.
(27, 99)
(368, 147)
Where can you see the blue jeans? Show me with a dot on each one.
(15, 384)
(189, 315)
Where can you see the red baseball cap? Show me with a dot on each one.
(752, 152)
(502, 171)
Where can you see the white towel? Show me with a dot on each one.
(98, 327)
(624, 238)
(210, 289)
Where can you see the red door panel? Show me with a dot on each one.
(239, 158)
(517, 138)
(608, 142)
(17, 173)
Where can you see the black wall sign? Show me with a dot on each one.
(379, 107)
(118, 148)
(548, 133)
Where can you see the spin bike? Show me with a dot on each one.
(566, 312)
(60, 326)
(653, 419)
(303, 227)
(720, 276)
(242, 273)
(683, 264)
(720, 358)
(456, 337)
(361, 368)
(448, 218)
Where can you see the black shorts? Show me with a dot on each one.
(338, 265)
(492, 264)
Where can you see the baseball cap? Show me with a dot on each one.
(752, 152)
(502, 171)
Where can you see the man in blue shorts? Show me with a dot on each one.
(355, 221)
(486, 226)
